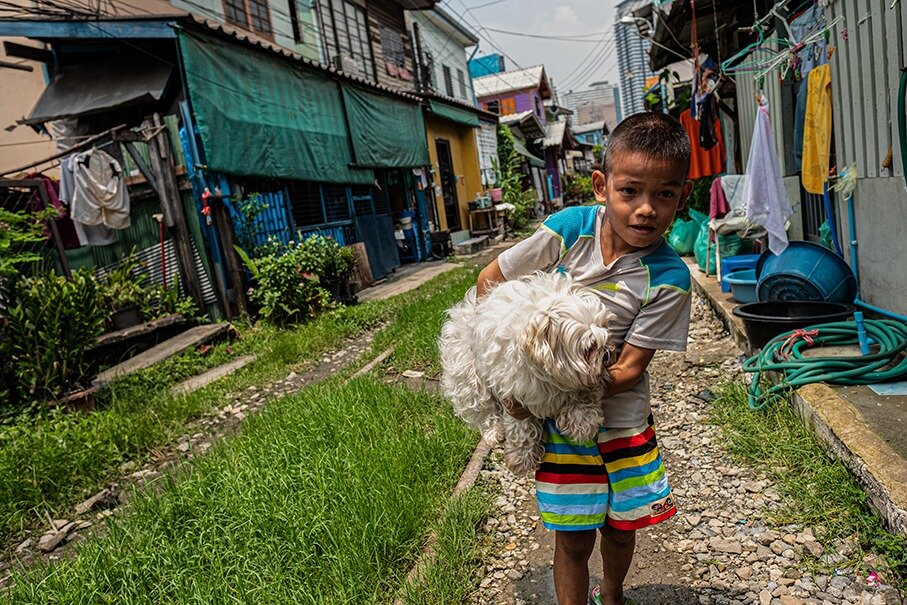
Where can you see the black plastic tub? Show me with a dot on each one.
(765, 320)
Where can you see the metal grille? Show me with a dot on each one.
(305, 203)
(336, 204)
(813, 206)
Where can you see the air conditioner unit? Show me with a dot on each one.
(345, 63)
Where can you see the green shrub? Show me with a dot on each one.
(578, 188)
(511, 180)
(20, 232)
(285, 292)
(50, 322)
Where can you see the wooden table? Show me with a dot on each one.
(495, 223)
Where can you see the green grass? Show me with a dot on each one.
(414, 332)
(822, 491)
(455, 569)
(51, 461)
(324, 497)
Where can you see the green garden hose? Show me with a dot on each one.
(784, 354)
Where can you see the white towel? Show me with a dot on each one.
(764, 195)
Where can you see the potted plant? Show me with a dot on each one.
(122, 295)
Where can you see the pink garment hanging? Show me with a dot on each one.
(718, 206)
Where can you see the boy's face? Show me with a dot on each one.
(642, 194)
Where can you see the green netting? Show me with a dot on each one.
(386, 132)
(263, 115)
(454, 114)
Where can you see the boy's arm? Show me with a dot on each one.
(489, 276)
(628, 369)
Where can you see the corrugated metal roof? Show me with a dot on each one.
(555, 134)
(508, 81)
(590, 127)
(249, 38)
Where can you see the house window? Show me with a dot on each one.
(392, 46)
(252, 15)
(294, 21)
(508, 106)
(493, 107)
(346, 42)
(461, 79)
(448, 81)
(538, 107)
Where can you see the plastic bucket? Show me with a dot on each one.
(743, 285)
(762, 321)
(805, 271)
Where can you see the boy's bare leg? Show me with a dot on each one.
(617, 554)
(572, 550)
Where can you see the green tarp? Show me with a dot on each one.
(260, 114)
(386, 132)
(454, 114)
(521, 149)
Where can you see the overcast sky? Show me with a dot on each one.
(548, 18)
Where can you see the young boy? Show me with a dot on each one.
(617, 249)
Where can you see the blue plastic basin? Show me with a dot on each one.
(736, 263)
(807, 272)
(743, 285)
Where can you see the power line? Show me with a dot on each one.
(488, 4)
(577, 38)
(584, 60)
(595, 64)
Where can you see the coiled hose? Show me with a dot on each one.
(784, 354)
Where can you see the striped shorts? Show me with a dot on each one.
(619, 479)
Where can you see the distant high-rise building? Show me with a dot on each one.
(632, 59)
(600, 103)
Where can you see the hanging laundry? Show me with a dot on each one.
(65, 227)
(811, 55)
(88, 235)
(709, 123)
(817, 130)
(732, 184)
(764, 194)
(703, 162)
(718, 206)
(99, 194)
(799, 119)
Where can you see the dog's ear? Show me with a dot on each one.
(535, 339)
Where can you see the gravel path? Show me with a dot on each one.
(719, 550)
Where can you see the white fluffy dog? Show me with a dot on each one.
(542, 341)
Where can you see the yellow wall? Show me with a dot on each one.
(464, 153)
(21, 90)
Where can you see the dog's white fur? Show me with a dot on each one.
(542, 341)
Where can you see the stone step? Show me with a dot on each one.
(214, 374)
(182, 342)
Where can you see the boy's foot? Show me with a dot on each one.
(596, 598)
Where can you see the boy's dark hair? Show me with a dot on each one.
(656, 134)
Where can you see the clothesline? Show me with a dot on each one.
(77, 147)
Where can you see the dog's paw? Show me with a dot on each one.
(520, 463)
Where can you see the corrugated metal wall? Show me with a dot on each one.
(746, 108)
(864, 76)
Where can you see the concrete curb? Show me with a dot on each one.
(467, 480)
(834, 421)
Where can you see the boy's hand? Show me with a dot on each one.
(515, 409)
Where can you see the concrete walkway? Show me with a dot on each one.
(721, 549)
(867, 432)
(410, 277)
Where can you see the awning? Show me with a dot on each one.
(386, 132)
(453, 113)
(88, 88)
(262, 115)
(520, 148)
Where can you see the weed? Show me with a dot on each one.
(324, 497)
(454, 570)
(821, 490)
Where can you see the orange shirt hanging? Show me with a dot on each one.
(703, 162)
